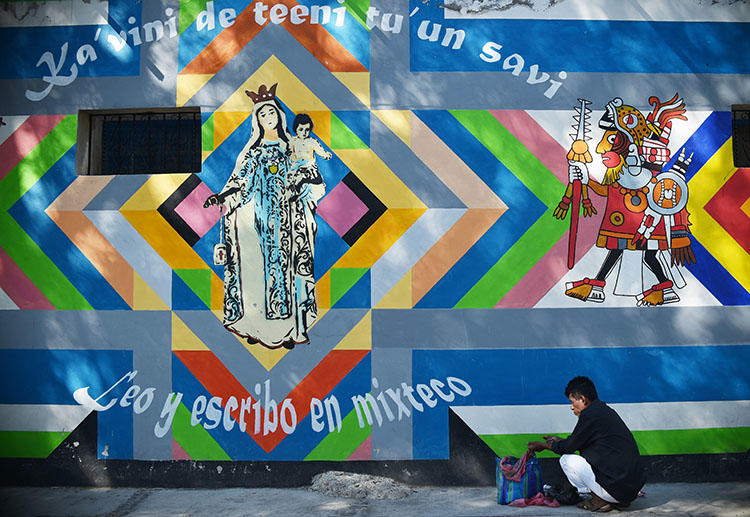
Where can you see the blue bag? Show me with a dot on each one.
(518, 478)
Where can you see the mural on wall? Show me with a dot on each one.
(269, 204)
(645, 226)
(407, 200)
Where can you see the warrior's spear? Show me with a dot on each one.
(579, 151)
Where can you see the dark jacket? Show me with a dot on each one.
(608, 445)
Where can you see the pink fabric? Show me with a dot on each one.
(514, 472)
(537, 500)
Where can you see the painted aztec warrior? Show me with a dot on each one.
(645, 222)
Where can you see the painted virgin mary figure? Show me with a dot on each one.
(269, 295)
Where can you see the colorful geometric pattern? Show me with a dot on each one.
(350, 209)
(436, 212)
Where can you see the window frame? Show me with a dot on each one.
(88, 139)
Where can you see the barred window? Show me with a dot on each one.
(139, 141)
(741, 134)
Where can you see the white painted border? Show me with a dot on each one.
(41, 417)
(645, 416)
(630, 10)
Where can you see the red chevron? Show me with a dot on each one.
(219, 382)
(318, 41)
(726, 207)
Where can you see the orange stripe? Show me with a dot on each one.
(322, 45)
(450, 248)
(232, 40)
(226, 45)
(103, 256)
(219, 382)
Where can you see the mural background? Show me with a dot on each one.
(436, 255)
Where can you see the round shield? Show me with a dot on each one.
(668, 193)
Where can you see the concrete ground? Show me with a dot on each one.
(679, 499)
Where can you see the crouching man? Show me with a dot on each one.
(609, 467)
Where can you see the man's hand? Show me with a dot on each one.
(551, 439)
(537, 446)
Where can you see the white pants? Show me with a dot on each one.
(581, 476)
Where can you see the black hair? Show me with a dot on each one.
(279, 126)
(581, 386)
(302, 118)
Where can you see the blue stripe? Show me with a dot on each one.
(114, 429)
(329, 248)
(539, 376)
(23, 46)
(523, 210)
(193, 41)
(358, 296)
(29, 213)
(240, 446)
(716, 278)
(205, 249)
(183, 297)
(705, 142)
(352, 35)
(51, 376)
(358, 122)
(585, 45)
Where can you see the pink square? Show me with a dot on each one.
(192, 212)
(341, 209)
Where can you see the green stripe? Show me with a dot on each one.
(694, 441)
(540, 237)
(342, 137)
(189, 10)
(515, 263)
(30, 444)
(513, 444)
(207, 134)
(37, 162)
(38, 266)
(512, 153)
(196, 441)
(343, 279)
(20, 247)
(199, 281)
(358, 9)
(339, 445)
(650, 443)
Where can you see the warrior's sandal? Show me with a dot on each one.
(587, 290)
(659, 294)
